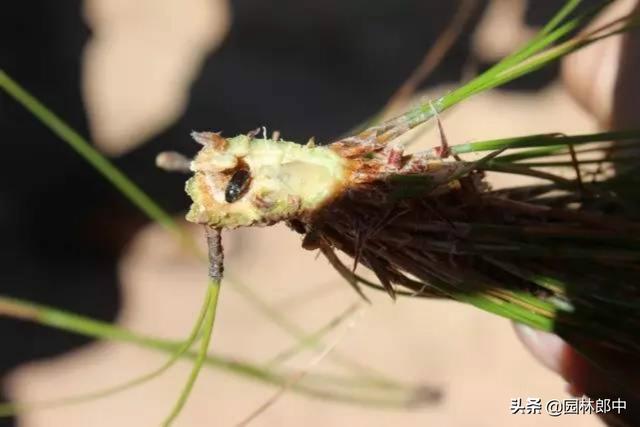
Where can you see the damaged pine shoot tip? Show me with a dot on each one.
(428, 218)
(431, 223)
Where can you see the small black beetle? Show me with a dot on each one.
(238, 185)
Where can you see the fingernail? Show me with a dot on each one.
(545, 347)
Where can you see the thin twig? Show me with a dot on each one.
(434, 55)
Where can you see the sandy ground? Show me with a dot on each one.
(473, 356)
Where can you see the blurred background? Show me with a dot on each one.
(138, 77)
